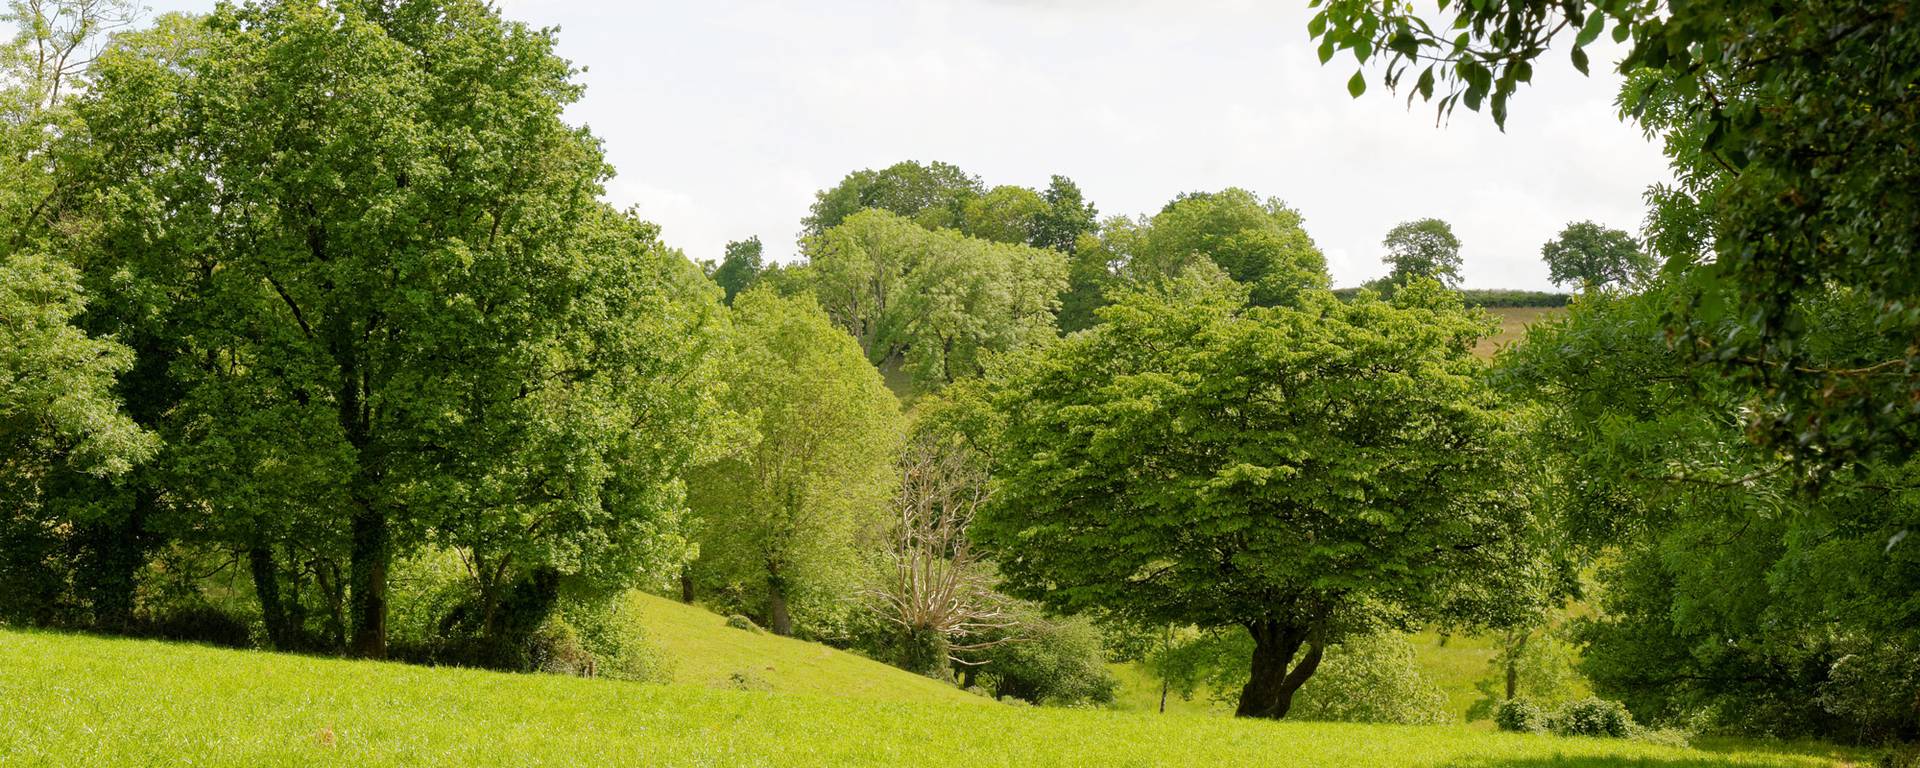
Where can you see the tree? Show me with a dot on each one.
(934, 587)
(1589, 256)
(781, 512)
(1422, 248)
(346, 241)
(934, 195)
(1728, 594)
(936, 303)
(1068, 217)
(740, 268)
(62, 420)
(1790, 130)
(1259, 243)
(1303, 472)
(1005, 214)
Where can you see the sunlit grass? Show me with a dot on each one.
(83, 701)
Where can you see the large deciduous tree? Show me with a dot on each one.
(934, 302)
(780, 513)
(1589, 256)
(934, 195)
(1304, 472)
(359, 249)
(1423, 248)
(1259, 243)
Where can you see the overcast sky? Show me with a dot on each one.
(723, 117)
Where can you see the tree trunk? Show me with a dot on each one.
(266, 586)
(368, 574)
(686, 584)
(778, 620)
(1514, 649)
(1271, 684)
(112, 553)
(1163, 696)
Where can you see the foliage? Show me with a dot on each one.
(933, 195)
(1372, 679)
(1522, 716)
(1261, 510)
(1790, 128)
(1068, 216)
(1259, 243)
(1005, 214)
(740, 268)
(936, 302)
(1730, 596)
(1588, 256)
(781, 511)
(1423, 248)
(742, 623)
(1489, 298)
(1593, 717)
(1042, 659)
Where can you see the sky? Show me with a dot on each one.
(724, 117)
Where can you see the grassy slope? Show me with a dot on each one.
(706, 652)
(69, 700)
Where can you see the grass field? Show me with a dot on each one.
(83, 701)
(1513, 324)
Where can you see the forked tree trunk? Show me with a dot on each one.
(1271, 683)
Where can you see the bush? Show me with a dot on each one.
(1045, 660)
(1371, 679)
(1520, 716)
(1594, 717)
(615, 634)
(196, 624)
(738, 621)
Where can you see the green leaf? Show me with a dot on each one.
(1426, 84)
(1620, 32)
(1580, 60)
(1326, 50)
(1357, 84)
(1317, 24)
(1591, 31)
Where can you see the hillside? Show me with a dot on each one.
(73, 700)
(704, 651)
(1513, 325)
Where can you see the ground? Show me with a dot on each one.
(1513, 325)
(68, 700)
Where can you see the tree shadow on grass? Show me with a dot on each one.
(1601, 761)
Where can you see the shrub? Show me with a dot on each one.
(738, 621)
(1047, 660)
(196, 624)
(614, 632)
(1371, 679)
(1520, 716)
(1594, 717)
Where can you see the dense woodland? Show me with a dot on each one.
(317, 335)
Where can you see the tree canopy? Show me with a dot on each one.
(1424, 248)
(1303, 472)
(1586, 255)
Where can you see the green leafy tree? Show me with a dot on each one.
(63, 422)
(1005, 214)
(935, 303)
(933, 195)
(1306, 473)
(1259, 243)
(780, 514)
(1729, 595)
(1424, 248)
(740, 268)
(1790, 130)
(359, 245)
(1588, 256)
(1068, 217)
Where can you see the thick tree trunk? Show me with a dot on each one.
(368, 575)
(509, 626)
(266, 585)
(686, 584)
(1271, 683)
(778, 620)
